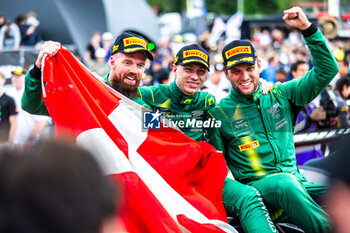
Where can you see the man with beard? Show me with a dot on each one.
(181, 100)
(256, 135)
(128, 62)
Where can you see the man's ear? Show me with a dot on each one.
(225, 72)
(173, 67)
(259, 64)
(112, 62)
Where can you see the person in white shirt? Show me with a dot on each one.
(29, 126)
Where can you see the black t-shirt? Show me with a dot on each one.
(7, 108)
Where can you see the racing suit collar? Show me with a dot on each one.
(107, 81)
(245, 98)
(179, 97)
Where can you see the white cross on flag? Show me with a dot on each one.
(170, 182)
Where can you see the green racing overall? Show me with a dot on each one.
(245, 201)
(256, 138)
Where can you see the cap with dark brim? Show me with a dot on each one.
(129, 43)
(238, 52)
(148, 53)
(192, 54)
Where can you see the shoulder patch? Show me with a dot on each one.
(210, 100)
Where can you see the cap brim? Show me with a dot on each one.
(195, 61)
(148, 53)
(229, 66)
(17, 73)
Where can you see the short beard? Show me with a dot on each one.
(129, 91)
(245, 93)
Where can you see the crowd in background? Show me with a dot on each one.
(283, 55)
(22, 31)
(281, 50)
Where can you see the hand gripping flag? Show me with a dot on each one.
(170, 182)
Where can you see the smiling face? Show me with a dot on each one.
(190, 77)
(244, 78)
(126, 73)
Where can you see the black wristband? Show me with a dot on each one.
(35, 72)
(309, 31)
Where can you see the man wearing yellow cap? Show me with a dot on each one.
(257, 132)
(179, 101)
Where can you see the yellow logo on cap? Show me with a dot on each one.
(176, 58)
(238, 50)
(195, 53)
(134, 40)
(195, 60)
(115, 48)
(230, 63)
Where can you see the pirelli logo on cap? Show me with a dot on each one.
(134, 40)
(195, 53)
(249, 145)
(238, 50)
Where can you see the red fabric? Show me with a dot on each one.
(77, 102)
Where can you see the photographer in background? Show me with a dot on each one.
(336, 117)
(307, 118)
(335, 108)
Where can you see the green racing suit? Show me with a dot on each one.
(245, 202)
(256, 138)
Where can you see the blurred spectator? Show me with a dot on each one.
(163, 77)
(99, 65)
(212, 86)
(269, 74)
(177, 44)
(336, 114)
(158, 71)
(10, 36)
(307, 119)
(300, 54)
(8, 119)
(32, 34)
(2, 20)
(299, 69)
(336, 110)
(95, 43)
(29, 126)
(342, 87)
(338, 198)
(203, 40)
(256, 35)
(107, 42)
(295, 38)
(277, 37)
(20, 20)
(343, 71)
(281, 74)
(55, 187)
(343, 68)
(264, 38)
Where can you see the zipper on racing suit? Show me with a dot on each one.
(267, 135)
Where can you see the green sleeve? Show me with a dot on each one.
(302, 91)
(31, 99)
